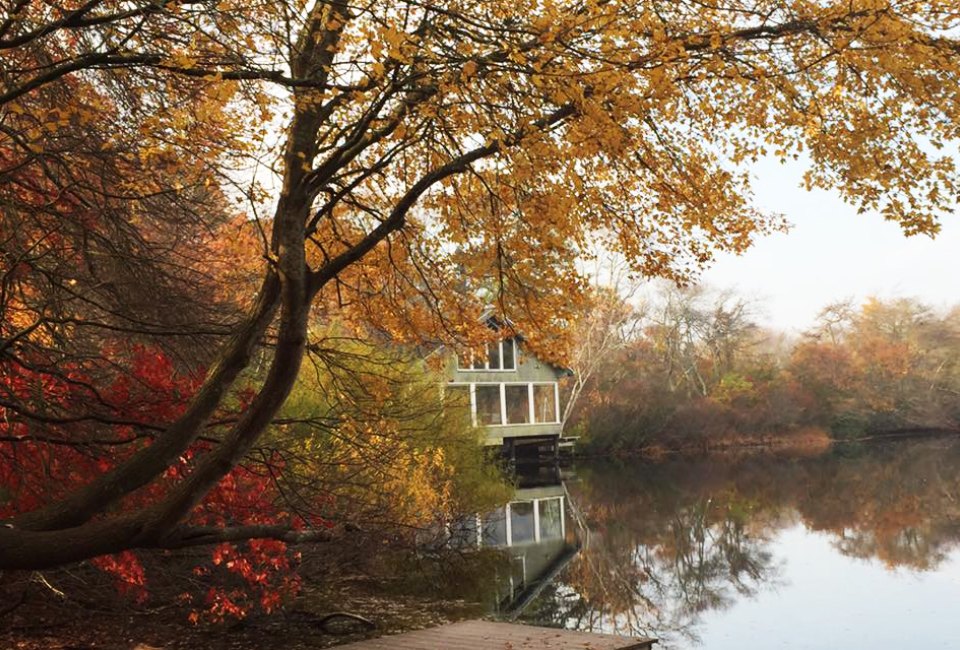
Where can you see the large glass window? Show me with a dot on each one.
(518, 403)
(488, 404)
(493, 355)
(498, 355)
(509, 358)
(544, 403)
(550, 518)
(521, 522)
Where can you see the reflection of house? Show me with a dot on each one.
(511, 393)
(532, 530)
(534, 516)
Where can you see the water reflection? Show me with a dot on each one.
(665, 545)
(532, 531)
(531, 534)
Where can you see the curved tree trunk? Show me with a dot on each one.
(68, 530)
(146, 465)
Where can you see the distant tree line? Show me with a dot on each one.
(694, 368)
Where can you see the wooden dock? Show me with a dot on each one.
(487, 635)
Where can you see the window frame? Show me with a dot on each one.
(461, 367)
(561, 520)
(472, 385)
(507, 512)
(527, 394)
(474, 412)
(556, 401)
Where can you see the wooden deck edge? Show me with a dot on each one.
(479, 634)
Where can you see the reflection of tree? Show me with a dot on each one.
(658, 579)
(900, 503)
(672, 540)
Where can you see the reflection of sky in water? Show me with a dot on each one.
(721, 552)
(827, 600)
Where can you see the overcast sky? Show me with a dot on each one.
(832, 253)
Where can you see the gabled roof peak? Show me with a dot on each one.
(492, 319)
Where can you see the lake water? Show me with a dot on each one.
(856, 548)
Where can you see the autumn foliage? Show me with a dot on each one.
(378, 173)
(697, 371)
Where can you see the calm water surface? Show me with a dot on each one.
(856, 548)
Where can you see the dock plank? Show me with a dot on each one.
(488, 635)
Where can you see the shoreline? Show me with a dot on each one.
(814, 441)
